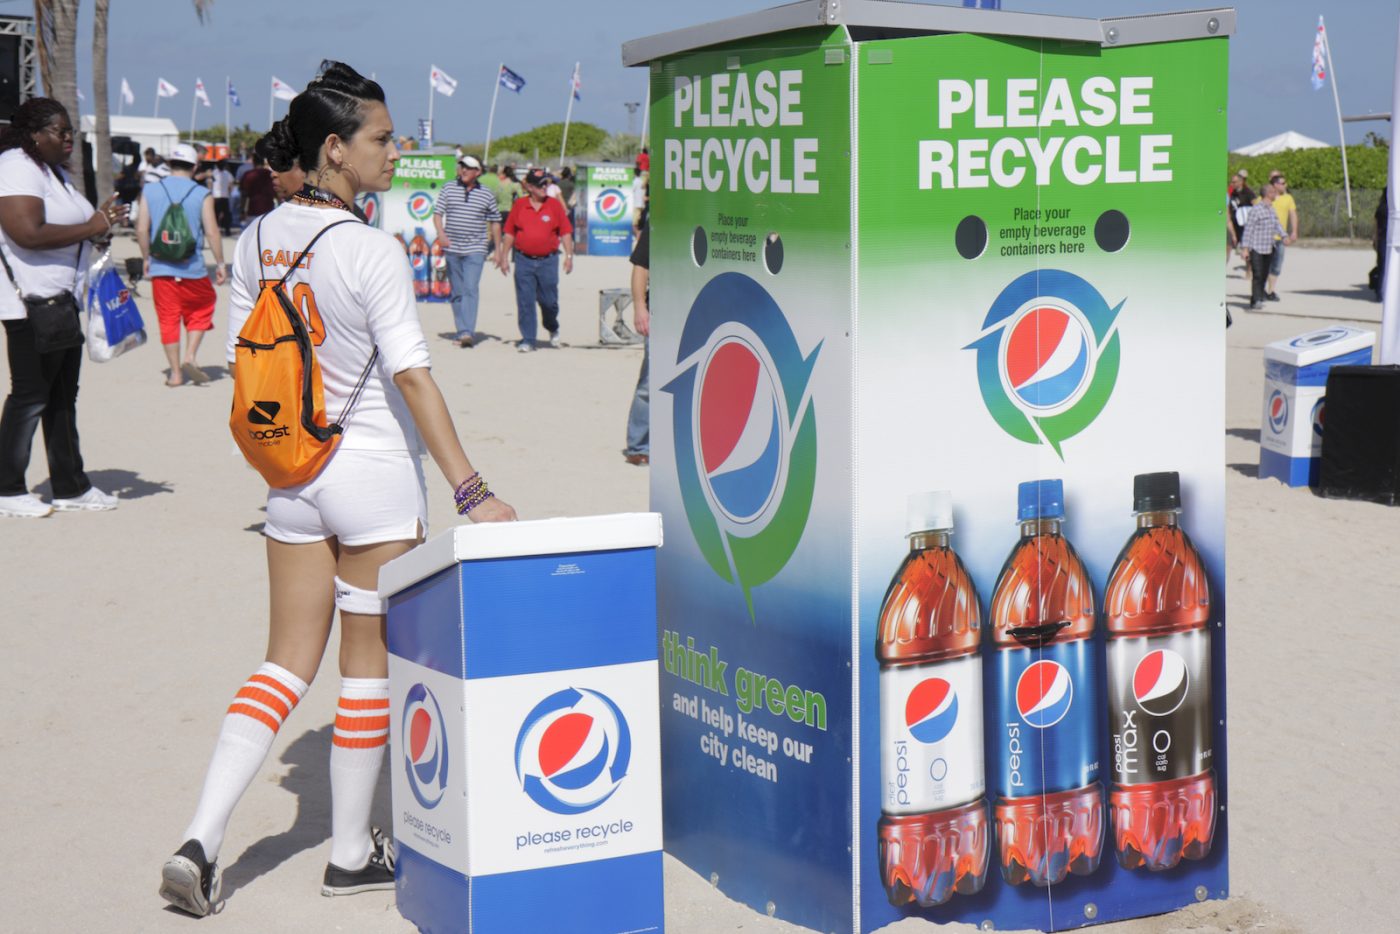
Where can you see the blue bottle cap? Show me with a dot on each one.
(1040, 499)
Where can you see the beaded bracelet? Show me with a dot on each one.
(471, 493)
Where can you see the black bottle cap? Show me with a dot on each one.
(1155, 492)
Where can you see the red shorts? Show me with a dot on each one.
(187, 300)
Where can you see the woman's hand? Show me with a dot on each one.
(493, 510)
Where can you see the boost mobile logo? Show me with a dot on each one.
(265, 413)
(1048, 356)
(745, 431)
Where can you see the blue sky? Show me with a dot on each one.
(251, 40)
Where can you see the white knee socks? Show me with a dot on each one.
(257, 713)
(357, 750)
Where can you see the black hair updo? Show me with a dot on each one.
(331, 103)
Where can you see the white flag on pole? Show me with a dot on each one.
(442, 82)
(165, 88)
(199, 93)
(281, 90)
(127, 97)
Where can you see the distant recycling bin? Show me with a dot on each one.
(523, 728)
(1295, 385)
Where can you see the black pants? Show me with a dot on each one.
(222, 216)
(1259, 268)
(43, 388)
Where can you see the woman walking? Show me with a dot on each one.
(44, 229)
(327, 539)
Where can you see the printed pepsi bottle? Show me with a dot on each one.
(933, 835)
(1157, 609)
(1049, 813)
(418, 259)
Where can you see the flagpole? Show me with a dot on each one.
(1390, 237)
(194, 104)
(564, 143)
(646, 112)
(432, 92)
(1341, 139)
(486, 157)
(228, 133)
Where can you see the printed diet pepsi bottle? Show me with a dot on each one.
(418, 259)
(933, 833)
(1049, 806)
(1157, 607)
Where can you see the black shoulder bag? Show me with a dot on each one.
(54, 319)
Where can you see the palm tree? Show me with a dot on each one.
(56, 23)
(102, 152)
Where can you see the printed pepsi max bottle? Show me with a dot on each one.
(1049, 813)
(933, 834)
(1157, 608)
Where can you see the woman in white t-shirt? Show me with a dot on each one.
(327, 539)
(44, 228)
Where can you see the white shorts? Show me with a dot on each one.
(360, 498)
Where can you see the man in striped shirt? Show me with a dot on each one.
(468, 226)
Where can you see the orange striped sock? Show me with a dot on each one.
(357, 750)
(258, 711)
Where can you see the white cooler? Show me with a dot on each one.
(524, 727)
(1295, 382)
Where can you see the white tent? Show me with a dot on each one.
(1289, 140)
(160, 133)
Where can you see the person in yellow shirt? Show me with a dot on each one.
(1287, 210)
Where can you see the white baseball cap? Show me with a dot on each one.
(470, 162)
(183, 152)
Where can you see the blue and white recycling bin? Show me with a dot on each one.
(524, 727)
(1295, 383)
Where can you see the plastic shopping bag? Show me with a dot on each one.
(114, 323)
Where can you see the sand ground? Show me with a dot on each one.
(125, 634)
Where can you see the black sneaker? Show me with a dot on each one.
(1271, 296)
(189, 881)
(376, 875)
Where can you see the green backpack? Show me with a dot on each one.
(173, 241)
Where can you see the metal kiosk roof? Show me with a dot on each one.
(888, 19)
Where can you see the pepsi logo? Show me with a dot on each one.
(611, 204)
(572, 751)
(741, 434)
(1045, 358)
(370, 205)
(1277, 412)
(1044, 693)
(1317, 416)
(1048, 357)
(931, 710)
(425, 746)
(420, 205)
(1160, 682)
(1318, 338)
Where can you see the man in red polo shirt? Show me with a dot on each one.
(535, 229)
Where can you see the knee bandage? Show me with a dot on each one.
(352, 599)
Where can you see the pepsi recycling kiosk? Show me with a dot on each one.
(938, 385)
(523, 736)
(1295, 390)
(606, 203)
